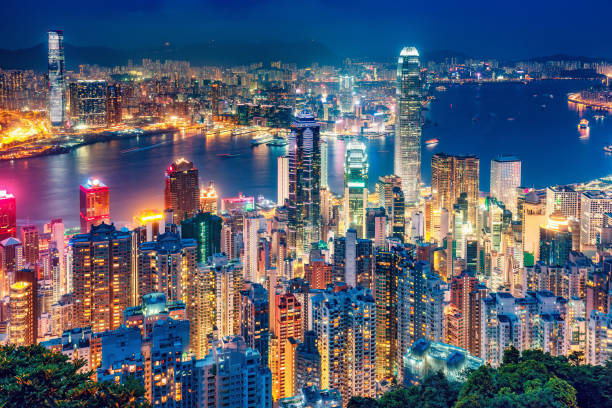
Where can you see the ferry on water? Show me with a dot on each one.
(258, 140)
(431, 142)
(584, 124)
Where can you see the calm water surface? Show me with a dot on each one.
(470, 119)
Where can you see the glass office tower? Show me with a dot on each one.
(57, 83)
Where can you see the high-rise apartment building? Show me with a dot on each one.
(88, 103)
(57, 84)
(420, 295)
(114, 113)
(407, 156)
(304, 202)
(287, 329)
(344, 321)
(23, 301)
(182, 193)
(165, 265)
(95, 204)
(307, 363)
(255, 319)
(101, 276)
(593, 206)
(30, 239)
(564, 199)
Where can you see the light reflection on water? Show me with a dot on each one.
(546, 139)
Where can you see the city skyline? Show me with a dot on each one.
(287, 235)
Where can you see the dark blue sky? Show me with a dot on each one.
(511, 29)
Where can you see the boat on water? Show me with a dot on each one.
(227, 155)
(431, 142)
(440, 88)
(598, 117)
(258, 140)
(278, 141)
(584, 124)
(608, 149)
(510, 119)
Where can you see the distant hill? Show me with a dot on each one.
(208, 53)
(565, 57)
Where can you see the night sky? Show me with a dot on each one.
(486, 28)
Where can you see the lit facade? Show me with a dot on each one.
(8, 215)
(101, 277)
(304, 204)
(345, 324)
(88, 103)
(95, 204)
(407, 156)
(505, 178)
(182, 193)
(208, 199)
(356, 187)
(57, 84)
(23, 298)
(283, 180)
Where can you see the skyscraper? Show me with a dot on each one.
(419, 308)
(57, 84)
(287, 326)
(304, 182)
(255, 319)
(505, 178)
(355, 187)
(451, 176)
(95, 204)
(283, 180)
(205, 228)
(182, 193)
(208, 199)
(30, 238)
(24, 308)
(555, 240)
(101, 269)
(113, 105)
(345, 324)
(164, 265)
(408, 123)
(88, 103)
(8, 215)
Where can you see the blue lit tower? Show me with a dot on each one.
(408, 124)
(57, 84)
(356, 187)
(304, 203)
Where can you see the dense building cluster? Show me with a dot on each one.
(318, 297)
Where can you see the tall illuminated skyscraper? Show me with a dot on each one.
(95, 208)
(101, 274)
(505, 178)
(209, 199)
(304, 182)
(205, 228)
(287, 329)
(88, 103)
(283, 180)
(164, 265)
(57, 84)
(24, 308)
(324, 164)
(8, 215)
(451, 176)
(30, 238)
(345, 324)
(355, 187)
(408, 123)
(182, 194)
(255, 319)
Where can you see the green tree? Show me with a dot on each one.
(33, 376)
